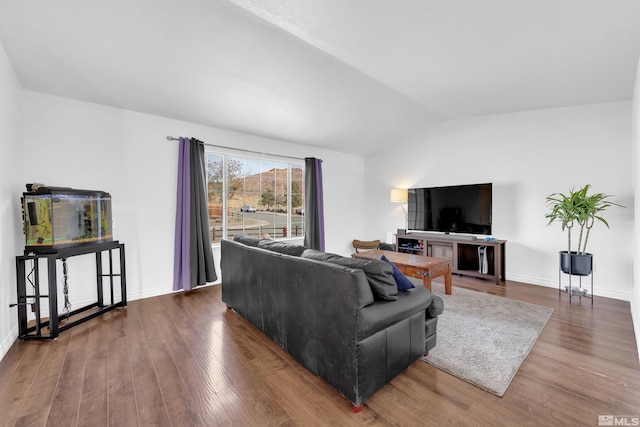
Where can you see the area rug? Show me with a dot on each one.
(483, 338)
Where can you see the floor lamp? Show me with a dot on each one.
(401, 195)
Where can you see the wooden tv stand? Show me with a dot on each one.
(463, 253)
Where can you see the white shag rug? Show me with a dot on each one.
(483, 339)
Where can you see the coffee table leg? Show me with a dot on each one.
(426, 281)
(447, 282)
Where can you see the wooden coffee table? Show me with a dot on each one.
(418, 266)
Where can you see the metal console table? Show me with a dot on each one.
(53, 322)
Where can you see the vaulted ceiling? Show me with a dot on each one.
(347, 75)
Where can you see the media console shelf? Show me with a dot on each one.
(463, 253)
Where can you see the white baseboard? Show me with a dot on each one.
(132, 296)
(8, 341)
(635, 319)
(624, 296)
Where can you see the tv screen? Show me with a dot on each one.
(453, 209)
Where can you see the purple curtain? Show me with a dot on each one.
(314, 204)
(193, 259)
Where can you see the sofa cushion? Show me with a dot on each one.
(380, 315)
(246, 239)
(404, 284)
(379, 273)
(282, 247)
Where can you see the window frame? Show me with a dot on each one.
(290, 163)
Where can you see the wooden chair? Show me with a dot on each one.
(365, 245)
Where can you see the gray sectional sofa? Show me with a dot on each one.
(350, 328)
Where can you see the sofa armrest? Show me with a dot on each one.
(436, 307)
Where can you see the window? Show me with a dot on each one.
(254, 196)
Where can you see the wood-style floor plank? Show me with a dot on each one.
(123, 408)
(35, 409)
(69, 387)
(94, 401)
(184, 360)
(151, 407)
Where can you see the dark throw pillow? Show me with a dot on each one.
(379, 273)
(245, 239)
(319, 255)
(282, 247)
(404, 284)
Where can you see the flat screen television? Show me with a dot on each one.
(464, 209)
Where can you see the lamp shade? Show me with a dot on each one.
(399, 195)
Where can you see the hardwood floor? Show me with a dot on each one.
(183, 360)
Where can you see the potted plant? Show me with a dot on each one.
(581, 210)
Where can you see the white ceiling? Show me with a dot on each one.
(347, 75)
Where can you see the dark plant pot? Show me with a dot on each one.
(574, 264)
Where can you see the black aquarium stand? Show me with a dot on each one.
(35, 298)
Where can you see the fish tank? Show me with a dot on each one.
(60, 217)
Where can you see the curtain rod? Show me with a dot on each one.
(171, 138)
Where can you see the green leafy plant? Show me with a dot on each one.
(580, 209)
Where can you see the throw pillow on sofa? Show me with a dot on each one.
(282, 247)
(245, 239)
(379, 273)
(319, 255)
(404, 284)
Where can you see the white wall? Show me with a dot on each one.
(84, 145)
(88, 146)
(11, 187)
(526, 156)
(635, 297)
